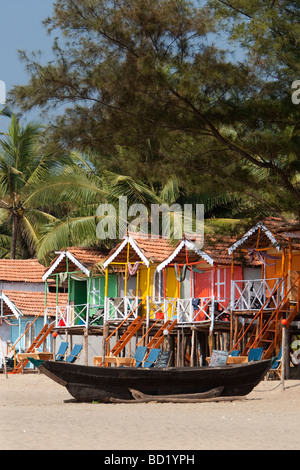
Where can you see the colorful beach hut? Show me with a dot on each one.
(139, 293)
(78, 272)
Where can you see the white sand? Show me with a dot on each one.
(34, 416)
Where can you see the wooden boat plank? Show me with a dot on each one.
(162, 399)
(214, 392)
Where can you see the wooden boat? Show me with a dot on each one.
(90, 383)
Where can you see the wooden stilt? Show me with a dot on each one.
(85, 347)
(193, 348)
(178, 349)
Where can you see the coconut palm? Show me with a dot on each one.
(83, 189)
(23, 166)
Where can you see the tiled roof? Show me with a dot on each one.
(88, 257)
(270, 231)
(217, 249)
(155, 250)
(33, 303)
(21, 270)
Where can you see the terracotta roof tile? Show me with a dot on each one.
(155, 250)
(33, 303)
(277, 226)
(88, 257)
(21, 270)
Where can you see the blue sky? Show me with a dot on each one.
(21, 28)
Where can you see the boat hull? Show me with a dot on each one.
(89, 383)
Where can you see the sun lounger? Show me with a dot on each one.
(60, 355)
(73, 356)
(150, 361)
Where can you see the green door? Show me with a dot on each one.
(80, 299)
(97, 293)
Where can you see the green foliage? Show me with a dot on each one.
(150, 91)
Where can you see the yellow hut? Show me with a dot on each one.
(139, 291)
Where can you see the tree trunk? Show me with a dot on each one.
(14, 236)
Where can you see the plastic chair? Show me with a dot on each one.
(255, 354)
(139, 355)
(74, 353)
(275, 368)
(153, 355)
(59, 356)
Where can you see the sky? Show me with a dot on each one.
(21, 28)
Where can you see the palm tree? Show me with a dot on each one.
(83, 190)
(23, 166)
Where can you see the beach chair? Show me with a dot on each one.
(150, 361)
(275, 369)
(139, 355)
(60, 355)
(74, 354)
(255, 354)
(235, 353)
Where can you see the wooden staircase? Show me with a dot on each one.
(38, 341)
(126, 337)
(265, 329)
(158, 338)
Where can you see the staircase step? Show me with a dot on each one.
(41, 337)
(125, 338)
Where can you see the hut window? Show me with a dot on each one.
(95, 292)
(220, 285)
(158, 286)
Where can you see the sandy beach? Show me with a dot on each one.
(38, 414)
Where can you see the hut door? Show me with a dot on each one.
(29, 335)
(80, 299)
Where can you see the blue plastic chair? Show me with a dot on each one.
(74, 353)
(153, 355)
(277, 361)
(235, 353)
(275, 368)
(61, 351)
(139, 355)
(255, 354)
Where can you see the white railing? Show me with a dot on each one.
(67, 316)
(190, 310)
(118, 308)
(203, 309)
(252, 294)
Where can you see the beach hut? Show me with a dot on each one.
(139, 293)
(78, 271)
(259, 305)
(196, 282)
(270, 244)
(23, 314)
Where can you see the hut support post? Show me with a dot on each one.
(147, 298)
(105, 297)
